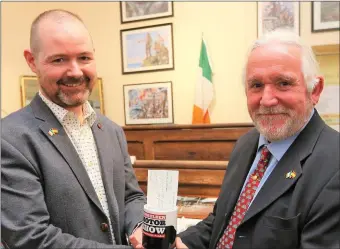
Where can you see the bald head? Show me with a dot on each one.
(56, 16)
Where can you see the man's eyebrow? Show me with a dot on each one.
(51, 57)
(253, 79)
(86, 53)
(54, 56)
(282, 77)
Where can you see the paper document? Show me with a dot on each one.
(162, 189)
(133, 159)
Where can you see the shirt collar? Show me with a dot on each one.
(279, 148)
(89, 113)
(60, 112)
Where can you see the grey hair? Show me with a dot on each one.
(309, 67)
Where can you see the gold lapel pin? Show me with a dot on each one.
(291, 174)
(53, 131)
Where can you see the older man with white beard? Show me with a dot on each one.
(281, 188)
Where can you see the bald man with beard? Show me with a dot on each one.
(66, 177)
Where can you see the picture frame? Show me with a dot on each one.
(147, 49)
(275, 15)
(325, 16)
(148, 103)
(29, 86)
(328, 58)
(145, 10)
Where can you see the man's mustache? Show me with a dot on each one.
(73, 80)
(271, 110)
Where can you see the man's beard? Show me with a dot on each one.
(68, 99)
(291, 121)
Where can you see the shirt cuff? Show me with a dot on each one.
(138, 225)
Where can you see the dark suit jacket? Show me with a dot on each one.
(47, 198)
(302, 212)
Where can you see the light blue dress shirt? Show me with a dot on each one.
(277, 149)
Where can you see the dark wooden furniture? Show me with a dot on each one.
(184, 142)
(199, 152)
(196, 178)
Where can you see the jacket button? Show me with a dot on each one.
(104, 227)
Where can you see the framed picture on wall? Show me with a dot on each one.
(147, 49)
(30, 86)
(143, 10)
(148, 103)
(328, 58)
(325, 16)
(275, 15)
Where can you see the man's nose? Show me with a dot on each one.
(269, 97)
(74, 70)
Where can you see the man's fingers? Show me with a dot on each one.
(135, 242)
(136, 238)
(180, 244)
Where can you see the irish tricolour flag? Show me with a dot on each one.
(204, 89)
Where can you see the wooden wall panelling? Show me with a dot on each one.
(136, 148)
(196, 178)
(199, 152)
(184, 142)
(193, 150)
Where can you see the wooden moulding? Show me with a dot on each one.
(186, 126)
(326, 49)
(182, 164)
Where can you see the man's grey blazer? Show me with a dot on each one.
(47, 198)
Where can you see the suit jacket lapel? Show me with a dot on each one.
(100, 134)
(235, 177)
(238, 173)
(64, 145)
(277, 183)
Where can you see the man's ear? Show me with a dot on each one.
(30, 60)
(317, 89)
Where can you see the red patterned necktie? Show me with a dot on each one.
(247, 195)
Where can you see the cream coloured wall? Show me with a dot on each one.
(228, 27)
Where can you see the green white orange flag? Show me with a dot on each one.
(204, 89)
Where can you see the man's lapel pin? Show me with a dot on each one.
(53, 131)
(291, 174)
